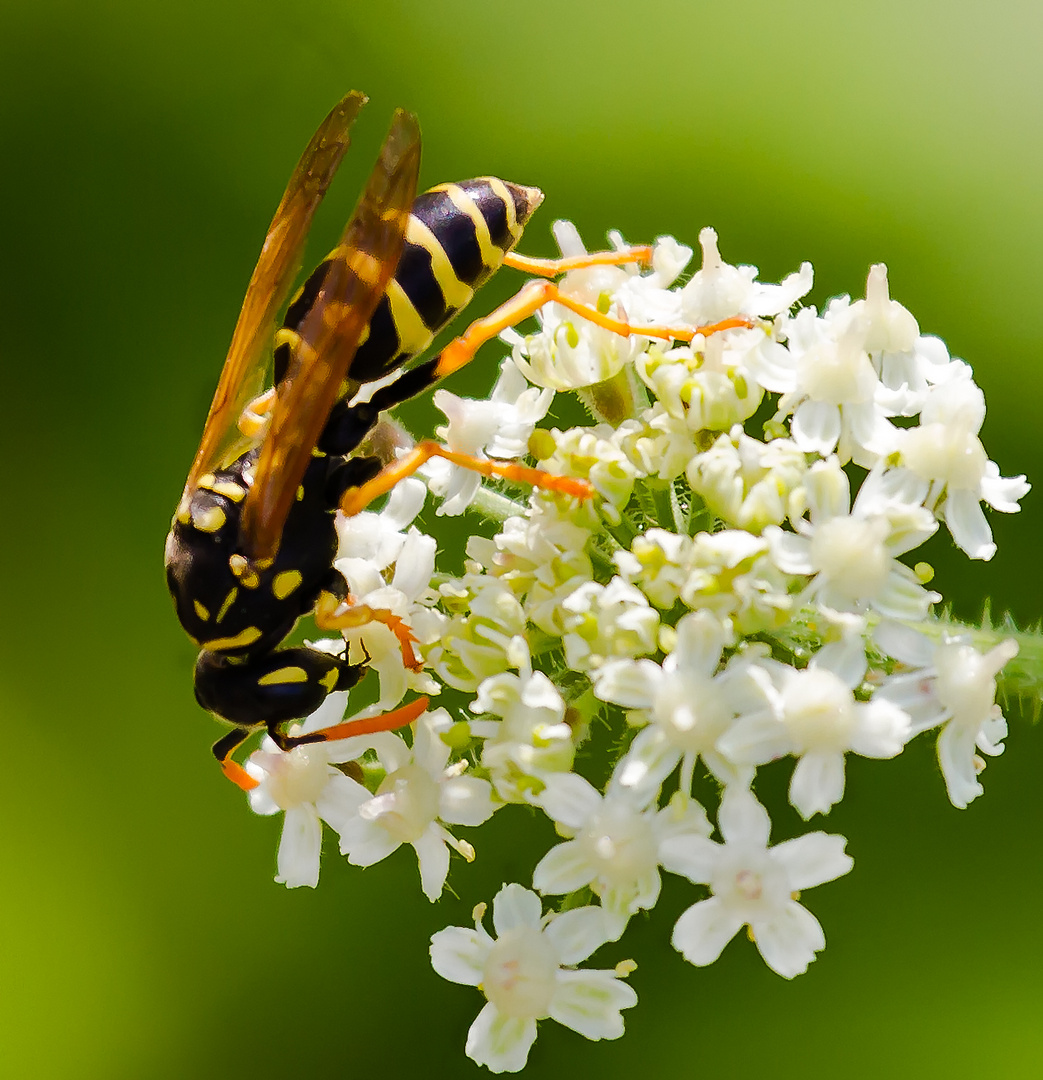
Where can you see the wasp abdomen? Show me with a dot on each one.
(457, 236)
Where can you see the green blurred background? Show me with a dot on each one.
(144, 149)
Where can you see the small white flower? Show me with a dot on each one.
(706, 384)
(541, 558)
(418, 793)
(686, 703)
(594, 454)
(398, 600)
(527, 973)
(607, 621)
(615, 843)
(946, 456)
(907, 362)
(731, 574)
(750, 484)
(570, 352)
(719, 291)
(304, 784)
(498, 426)
(472, 645)
(530, 738)
(830, 385)
(753, 885)
(813, 715)
(951, 685)
(378, 537)
(850, 551)
(657, 562)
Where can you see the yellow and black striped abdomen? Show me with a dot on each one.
(456, 238)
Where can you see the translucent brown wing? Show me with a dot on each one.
(246, 365)
(360, 269)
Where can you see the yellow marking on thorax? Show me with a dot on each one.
(492, 256)
(209, 520)
(282, 675)
(240, 567)
(201, 610)
(414, 335)
(329, 680)
(240, 641)
(456, 292)
(283, 584)
(229, 600)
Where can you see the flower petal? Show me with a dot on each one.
(813, 859)
(514, 905)
(366, 842)
(564, 868)
(577, 933)
(459, 955)
(590, 1002)
(789, 941)
(568, 799)
(966, 521)
(299, 847)
(500, 1043)
(817, 782)
(702, 932)
(693, 857)
(742, 819)
(466, 800)
(433, 857)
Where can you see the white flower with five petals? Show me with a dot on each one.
(305, 785)
(614, 845)
(753, 885)
(953, 686)
(687, 703)
(418, 793)
(813, 714)
(527, 974)
(850, 552)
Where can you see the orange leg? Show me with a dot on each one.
(553, 267)
(397, 718)
(357, 499)
(237, 774)
(461, 351)
(529, 299)
(333, 613)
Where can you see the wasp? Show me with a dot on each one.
(252, 542)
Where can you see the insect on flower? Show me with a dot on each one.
(252, 542)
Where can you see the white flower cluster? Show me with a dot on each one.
(735, 593)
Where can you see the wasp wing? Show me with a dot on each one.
(246, 365)
(360, 270)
